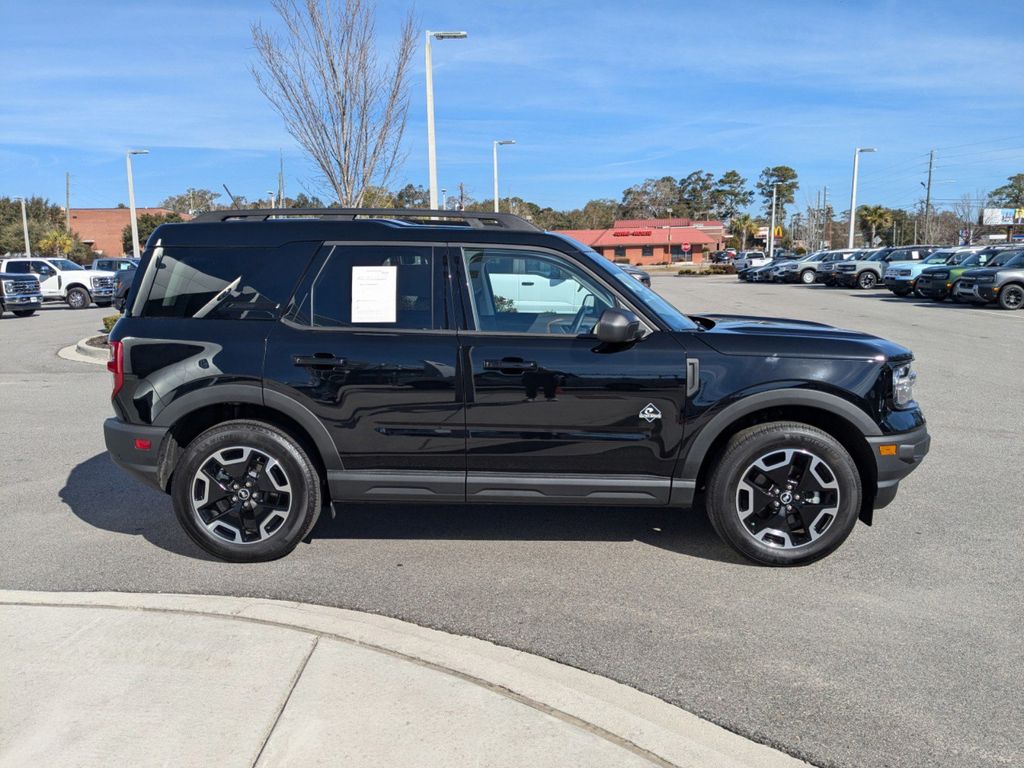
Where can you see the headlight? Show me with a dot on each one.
(8, 286)
(903, 379)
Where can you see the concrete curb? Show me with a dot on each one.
(633, 720)
(81, 352)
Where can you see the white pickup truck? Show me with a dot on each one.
(61, 279)
(749, 259)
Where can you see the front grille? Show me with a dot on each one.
(936, 276)
(103, 282)
(26, 286)
(967, 282)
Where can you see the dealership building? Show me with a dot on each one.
(653, 241)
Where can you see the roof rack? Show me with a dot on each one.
(476, 219)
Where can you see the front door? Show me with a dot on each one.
(551, 412)
(50, 283)
(366, 346)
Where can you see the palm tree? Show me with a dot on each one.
(742, 225)
(875, 216)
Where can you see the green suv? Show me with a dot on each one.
(939, 283)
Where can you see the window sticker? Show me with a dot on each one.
(374, 294)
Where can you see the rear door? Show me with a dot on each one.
(551, 412)
(367, 346)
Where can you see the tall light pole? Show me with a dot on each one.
(131, 197)
(431, 148)
(771, 229)
(496, 145)
(853, 191)
(24, 225)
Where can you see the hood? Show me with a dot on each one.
(777, 337)
(985, 271)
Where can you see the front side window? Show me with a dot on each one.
(370, 286)
(514, 291)
(66, 265)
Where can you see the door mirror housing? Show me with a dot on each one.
(617, 326)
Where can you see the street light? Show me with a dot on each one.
(273, 197)
(431, 149)
(771, 229)
(496, 145)
(853, 190)
(24, 225)
(131, 197)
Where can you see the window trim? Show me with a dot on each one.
(461, 276)
(438, 267)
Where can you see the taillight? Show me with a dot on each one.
(116, 366)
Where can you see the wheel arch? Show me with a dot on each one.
(193, 414)
(832, 414)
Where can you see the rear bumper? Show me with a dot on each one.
(904, 452)
(140, 462)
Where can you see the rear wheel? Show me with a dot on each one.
(807, 276)
(866, 280)
(245, 491)
(78, 298)
(1011, 297)
(784, 493)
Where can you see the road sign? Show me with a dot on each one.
(685, 247)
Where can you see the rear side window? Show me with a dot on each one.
(371, 286)
(191, 281)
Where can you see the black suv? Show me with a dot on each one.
(269, 361)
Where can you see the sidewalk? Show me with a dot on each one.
(103, 679)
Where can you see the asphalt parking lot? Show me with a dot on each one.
(902, 649)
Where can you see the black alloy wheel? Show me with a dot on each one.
(784, 493)
(866, 280)
(246, 491)
(1011, 296)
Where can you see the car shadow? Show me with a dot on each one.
(919, 302)
(100, 494)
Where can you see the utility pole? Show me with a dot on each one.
(24, 224)
(817, 220)
(771, 229)
(828, 217)
(928, 200)
(67, 201)
(462, 196)
(280, 181)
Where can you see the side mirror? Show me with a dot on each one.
(617, 326)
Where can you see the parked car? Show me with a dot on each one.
(108, 264)
(64, 280)
(122, 284)
(867, 272)
(763, 274)
(939, 283)
(901, 276)
(639, 274)
(788, 270)
(824, 269)
(1001, 282)
(20, 294)
(266, 360)
(747, 259)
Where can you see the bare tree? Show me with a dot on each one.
(968, 213)
(339, 102)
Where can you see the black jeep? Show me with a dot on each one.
(270, 361)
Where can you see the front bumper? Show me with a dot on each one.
(977, 293)
(896, 456)
(846, 279)
(143, 463)
(933, 289)
(23, 301)
(900, 284)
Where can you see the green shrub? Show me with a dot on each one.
(108, 322)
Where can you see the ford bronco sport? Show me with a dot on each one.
(270, 361)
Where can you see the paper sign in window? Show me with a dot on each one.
(374, 294)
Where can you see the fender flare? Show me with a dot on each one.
(255, 395)
(807, 398)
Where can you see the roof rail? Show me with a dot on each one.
(477, 219)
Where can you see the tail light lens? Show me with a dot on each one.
(116, 366)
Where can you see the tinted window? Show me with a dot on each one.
(359, 286)
(17, 267)
(188, 279)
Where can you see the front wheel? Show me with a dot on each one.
(246, 492)
(866, 280)
(1011, 297)
(784, 493)
(78, 298)
(807, 276)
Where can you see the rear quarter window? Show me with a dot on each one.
(187, 278)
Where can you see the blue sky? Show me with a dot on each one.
(598, 95)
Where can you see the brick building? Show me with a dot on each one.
(101, 228)
(653, 241)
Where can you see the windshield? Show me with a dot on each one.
(672, 317)
(1003, 259)
(65, 264)
(939, 257)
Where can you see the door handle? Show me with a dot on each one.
(320, 358)
(510, 366)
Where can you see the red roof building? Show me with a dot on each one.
(653, 241)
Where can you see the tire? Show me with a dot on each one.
(918, 294)
(774, 538)
(866, 280)
(807, 277)
(23, 312)
(1010, 297)
(287, 477)
(78, 298)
